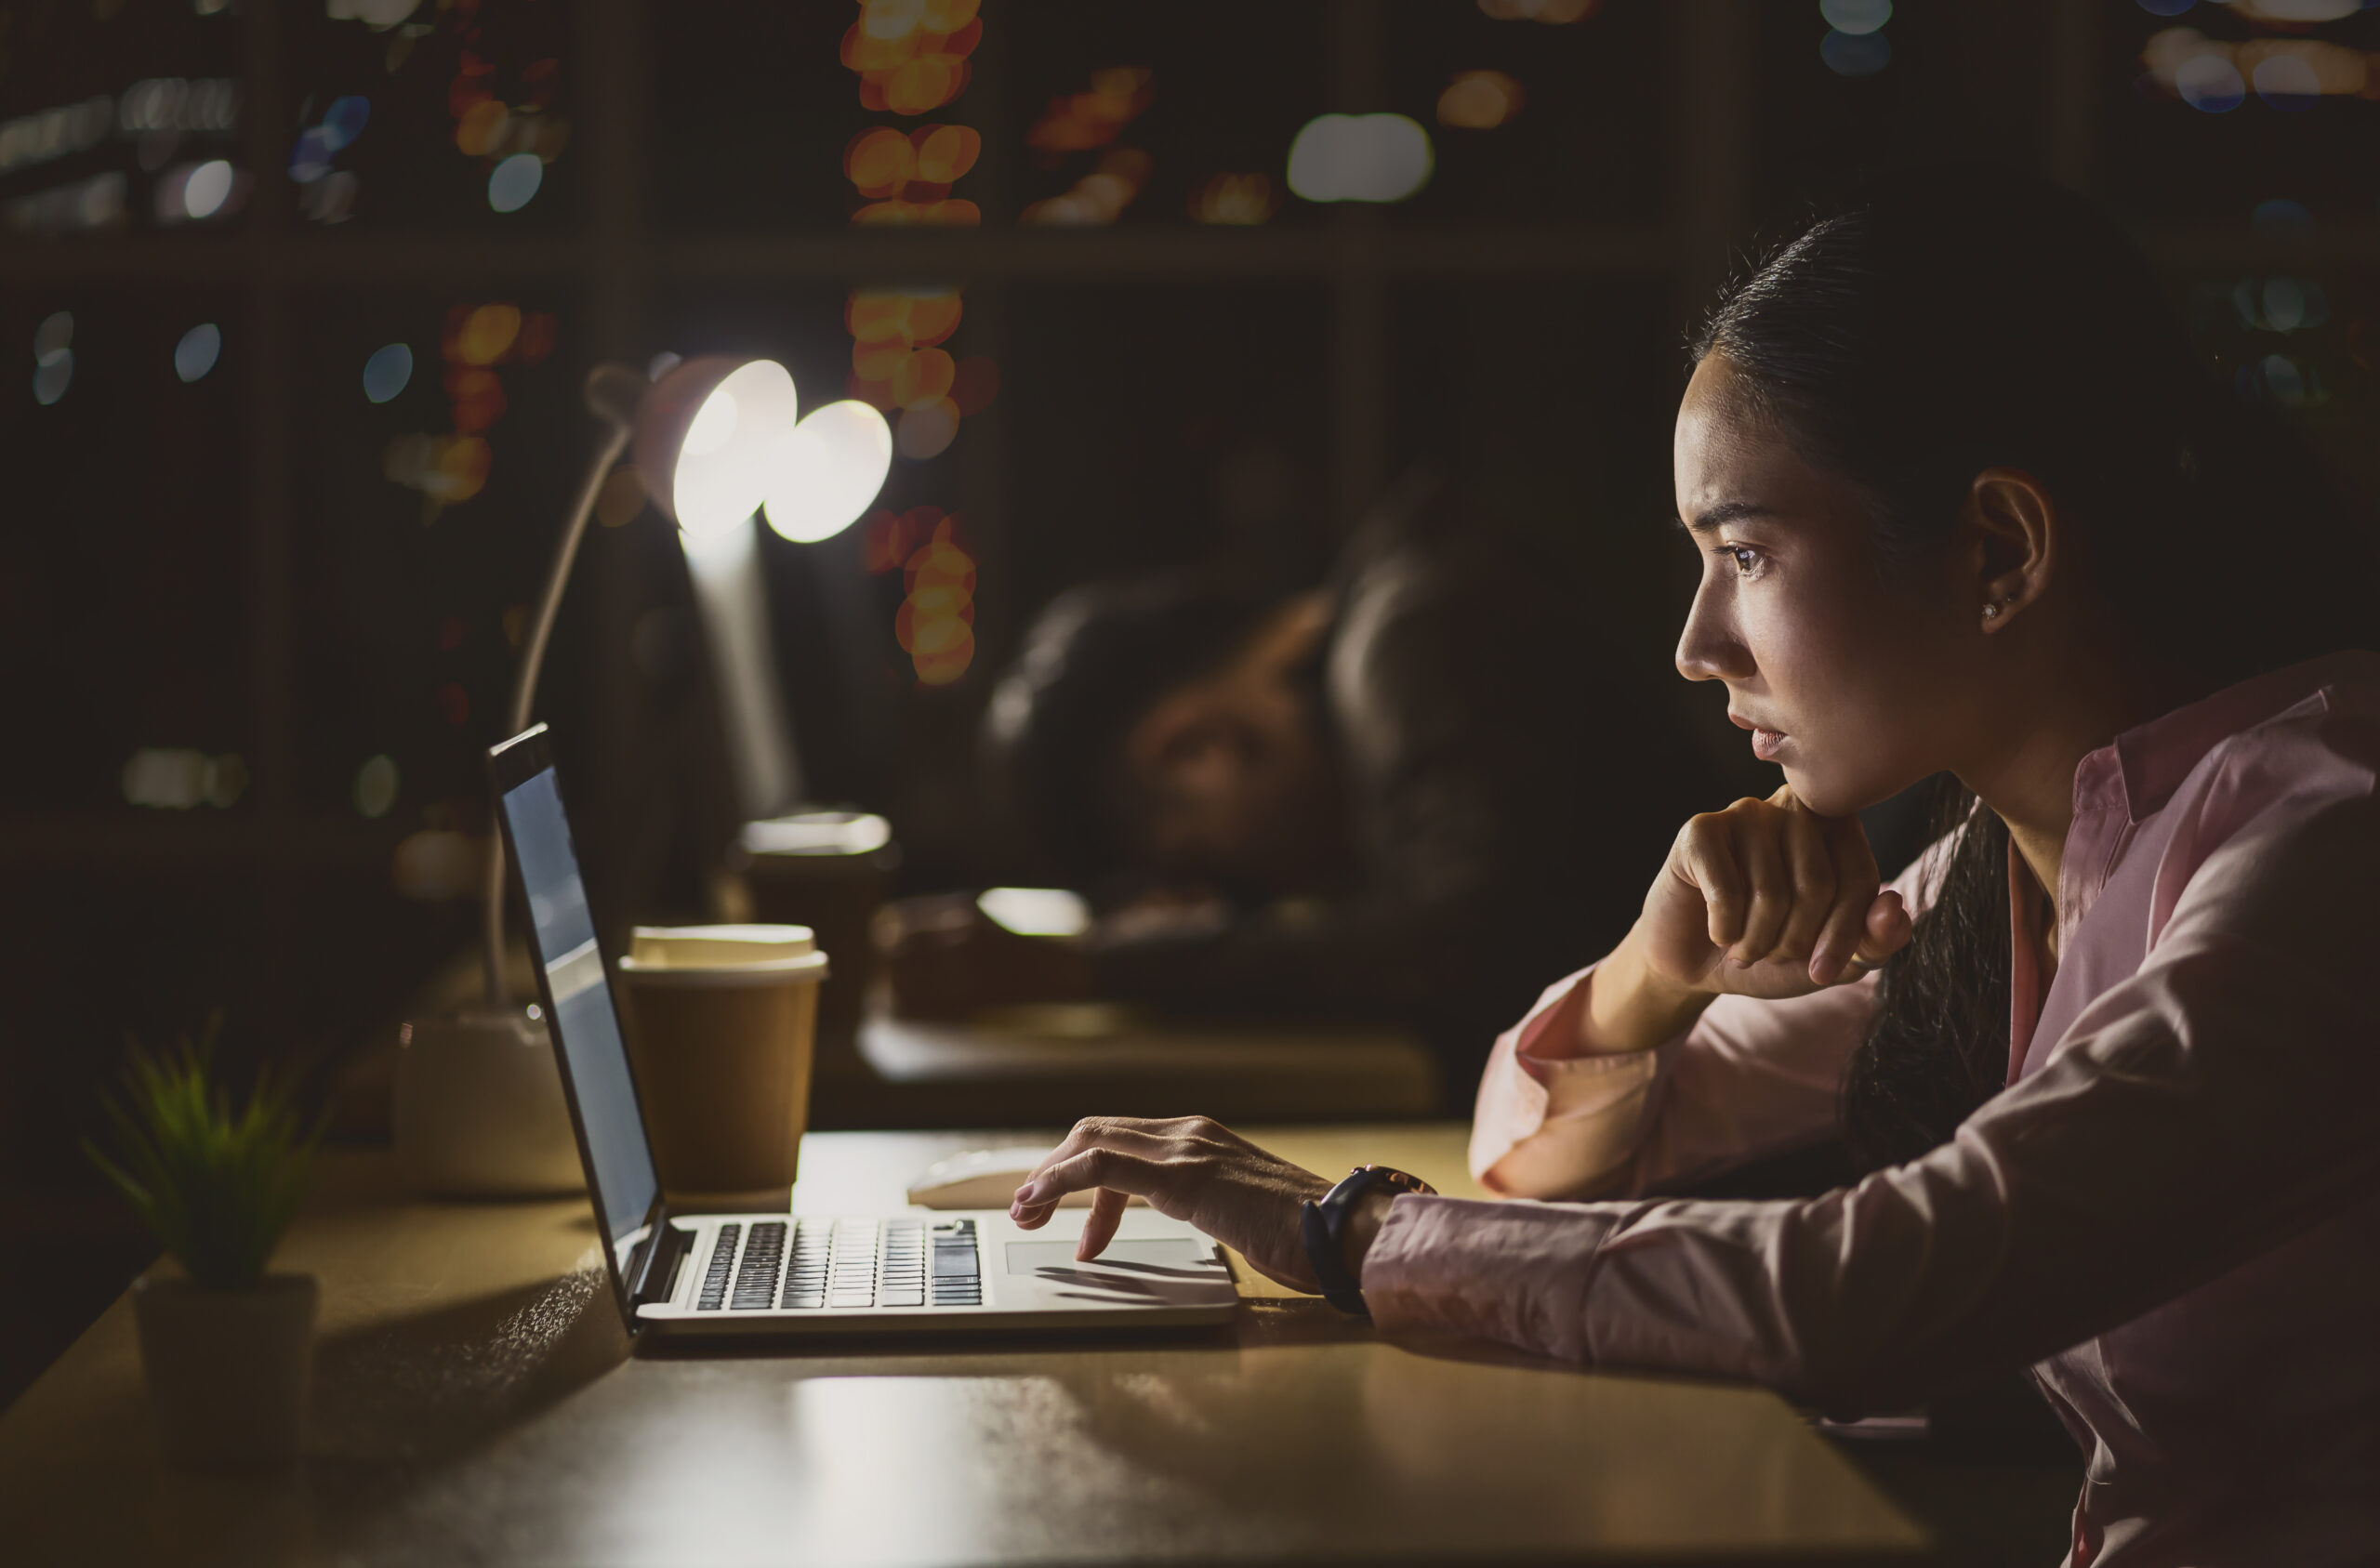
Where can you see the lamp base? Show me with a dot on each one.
(479, 1110)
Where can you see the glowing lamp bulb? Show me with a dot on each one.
(835, 464)
(714, 427)
(727, 462)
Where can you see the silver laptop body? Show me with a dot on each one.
(776, 1273)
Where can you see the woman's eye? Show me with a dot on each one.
(1747, 560)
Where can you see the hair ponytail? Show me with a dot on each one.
(1938, 1047)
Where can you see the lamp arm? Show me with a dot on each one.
(524, 686)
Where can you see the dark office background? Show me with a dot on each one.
(300, 295)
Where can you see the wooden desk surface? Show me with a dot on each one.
(476, 1403)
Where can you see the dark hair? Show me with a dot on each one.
(1956, 319)
(1096, 659)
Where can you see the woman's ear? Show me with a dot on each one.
(2020, 537)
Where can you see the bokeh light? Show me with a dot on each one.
(911, 55)
(1855, 54)
(515, 181)
(928, 428)
(1479, 100)
(175, 779)
(2210, 83)
(621, 498)
(1240, 200)
(1081, 122)
(2287, 82)
(1036, 912)
(375, 788)
(2288, 74)
(386, 373)
(2284, 304)
(53, 357)
(1099, 197)
(2283, 379)
(197, 352)
(1856, 16)
(832, 469)
(436, 865)
(208, 187)
(54, 339)
(1361, 158)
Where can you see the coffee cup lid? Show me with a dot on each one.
(724, 955)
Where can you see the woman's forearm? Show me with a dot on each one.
(1629, 1007)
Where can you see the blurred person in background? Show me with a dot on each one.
(1407, 794)
(2108, 1053)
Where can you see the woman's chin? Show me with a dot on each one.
(1827, 797)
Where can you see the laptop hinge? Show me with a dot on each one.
(655, 1273)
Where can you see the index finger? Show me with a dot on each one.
(1856, 880)
(1093, 1168)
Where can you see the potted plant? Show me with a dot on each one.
(227, 1347)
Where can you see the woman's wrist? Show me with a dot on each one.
(1632, 1006)
(1364, 1222)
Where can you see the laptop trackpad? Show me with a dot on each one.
(1159, 1258)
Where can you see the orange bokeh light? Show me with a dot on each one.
(1237, 199)
(1480, 100)
(944, 152)
(922, 377)
(878, 161)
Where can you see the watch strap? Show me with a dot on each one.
(1324, 1225)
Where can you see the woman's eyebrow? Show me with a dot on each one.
(1725, 512)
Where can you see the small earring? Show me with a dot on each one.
(1991, 611)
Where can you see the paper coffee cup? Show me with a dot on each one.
(723, 1026)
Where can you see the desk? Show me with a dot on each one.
(476, 1403)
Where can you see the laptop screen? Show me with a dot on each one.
(620, 1161)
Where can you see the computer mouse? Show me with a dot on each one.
(983, 1179)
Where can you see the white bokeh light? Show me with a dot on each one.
(1361, 158)
(208, 188)
(834, 465)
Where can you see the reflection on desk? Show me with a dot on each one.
(477, 1402)
(1054, 1066)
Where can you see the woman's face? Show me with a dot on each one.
(1857, 686)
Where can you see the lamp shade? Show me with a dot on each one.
(711, 438)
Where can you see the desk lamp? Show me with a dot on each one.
(717, 440)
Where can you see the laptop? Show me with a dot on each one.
(779, 1273)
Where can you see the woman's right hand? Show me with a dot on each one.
(1765, 899)
(1769, 898)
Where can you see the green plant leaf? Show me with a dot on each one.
(216, 1186)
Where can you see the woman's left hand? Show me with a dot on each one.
(1191, 1169)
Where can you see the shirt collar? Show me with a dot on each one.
(2139, 770)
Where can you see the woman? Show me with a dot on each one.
(1966, 506)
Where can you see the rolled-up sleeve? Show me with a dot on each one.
(2220, 1099)
(1560, 1114)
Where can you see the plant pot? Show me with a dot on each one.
(479, 1110)
(228, 1371)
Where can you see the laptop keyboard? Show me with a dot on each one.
(841, 1264)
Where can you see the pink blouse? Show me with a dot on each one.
(2172, 1213)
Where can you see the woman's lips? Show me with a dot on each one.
(1766, 743)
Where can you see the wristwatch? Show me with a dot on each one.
(1325, 1225)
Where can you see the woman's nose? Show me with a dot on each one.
(1708, 649)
